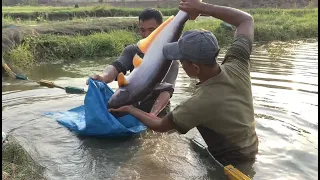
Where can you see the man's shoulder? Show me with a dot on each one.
(241, 47)
(202, 98)
(124, 61)
(242, 40)
(238, 54)
(192, 102)
(131, 47)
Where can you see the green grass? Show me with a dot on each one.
(270, 25)
(286, 24)
(21, 56)
(103, 37)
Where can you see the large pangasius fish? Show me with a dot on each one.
(149, 71)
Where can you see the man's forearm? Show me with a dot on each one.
(230, 15)
(151, 121)
(160, 103)
(109, 74)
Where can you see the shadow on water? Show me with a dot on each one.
(285, 93)
(96, 154)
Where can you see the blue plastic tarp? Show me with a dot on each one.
(94, 119)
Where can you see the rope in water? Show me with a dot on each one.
(49, 84)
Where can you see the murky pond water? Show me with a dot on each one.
(285, 90)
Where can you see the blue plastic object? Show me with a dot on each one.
(94, 119)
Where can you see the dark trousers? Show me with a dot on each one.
(146, 106)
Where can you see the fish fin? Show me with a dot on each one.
(137, 60)
(144, 44)
(122, 80)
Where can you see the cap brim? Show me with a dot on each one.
(171, 51)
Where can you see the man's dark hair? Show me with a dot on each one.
(151, 13)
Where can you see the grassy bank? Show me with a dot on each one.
(46, 46)
(51, 48)
(64, 13)
(82, 26)
(18, 164)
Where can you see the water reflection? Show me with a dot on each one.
(285, 92)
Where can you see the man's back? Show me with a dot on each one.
(232, 115)
(223, 106)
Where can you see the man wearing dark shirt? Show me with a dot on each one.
(157, 102)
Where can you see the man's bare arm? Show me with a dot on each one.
(109, 74)
(152, 122)
(122, 64)
(241, 20)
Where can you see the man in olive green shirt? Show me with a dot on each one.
(222, 106)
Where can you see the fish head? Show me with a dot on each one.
(119, 98)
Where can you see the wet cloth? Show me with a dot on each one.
(94, 119)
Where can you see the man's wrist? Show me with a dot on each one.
(203, 8)
(200, 7)
(129, 109)
(103, 77)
